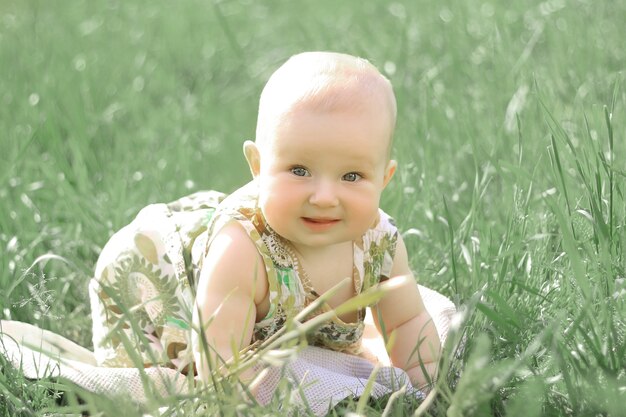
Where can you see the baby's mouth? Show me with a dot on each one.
(319, 224)
(320, 220)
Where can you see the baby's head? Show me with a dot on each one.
(322, 148)
(325, 82)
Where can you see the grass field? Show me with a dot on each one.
(510, 187)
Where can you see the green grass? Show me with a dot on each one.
(510, 188)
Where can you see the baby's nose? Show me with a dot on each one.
(324, 195)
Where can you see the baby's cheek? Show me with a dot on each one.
(365, 212)
(277, 211)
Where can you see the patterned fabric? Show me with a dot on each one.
(143, 290)
(142, 293)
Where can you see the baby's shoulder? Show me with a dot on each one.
(234, 255)
(232, 241)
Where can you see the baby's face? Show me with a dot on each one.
(321, 174)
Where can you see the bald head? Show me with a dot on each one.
(324, 82)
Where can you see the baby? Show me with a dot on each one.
(239, 267)
(310, 218)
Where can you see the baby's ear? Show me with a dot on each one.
(251, 152)
(390, 169)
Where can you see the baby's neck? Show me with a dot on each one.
(316, 253)
(322, 268)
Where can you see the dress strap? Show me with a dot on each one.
(389, 241)
(374, 254)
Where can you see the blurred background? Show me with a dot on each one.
(107, 106)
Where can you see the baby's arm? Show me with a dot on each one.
(402, 311)
(232, 283)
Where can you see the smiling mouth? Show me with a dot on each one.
(319, 220)
(317, 223)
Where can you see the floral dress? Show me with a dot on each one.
(143, 291)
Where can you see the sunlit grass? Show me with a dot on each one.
(510, 189)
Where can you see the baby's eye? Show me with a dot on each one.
(300, 172)
(352, 177)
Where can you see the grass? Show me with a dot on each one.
(510, 188)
